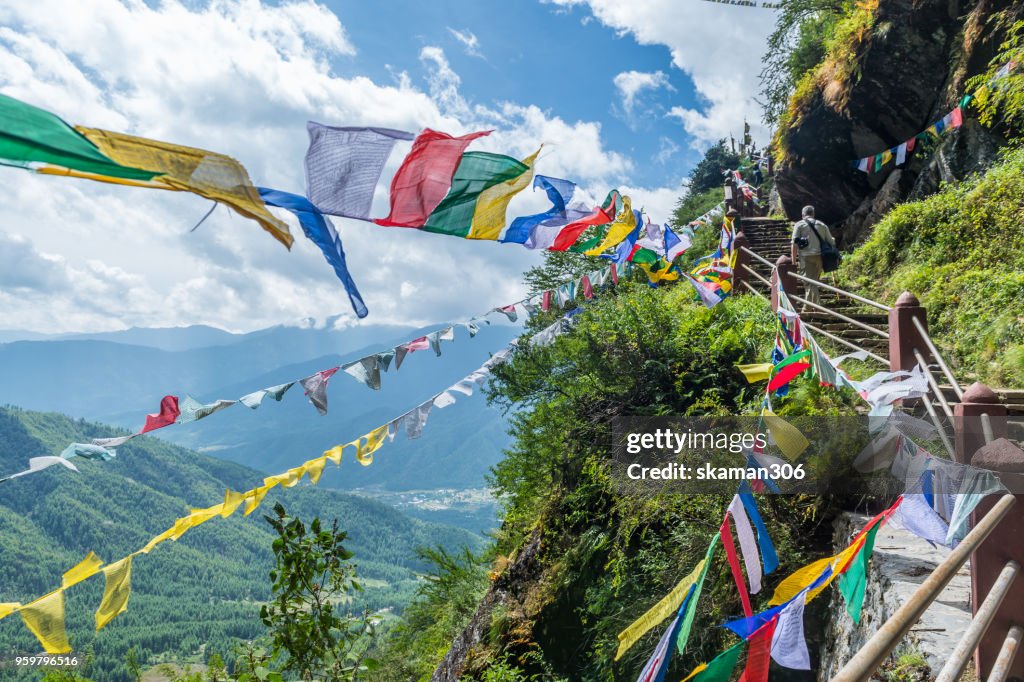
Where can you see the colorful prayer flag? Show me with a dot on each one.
(425, 177)
(343, 166)
(476, 173)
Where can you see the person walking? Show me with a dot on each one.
(806, 249)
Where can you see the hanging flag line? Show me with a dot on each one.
(366, 370)
(44, 617)
(952, 120)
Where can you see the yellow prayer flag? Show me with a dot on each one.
(45, 618)
(255, 496)
(208, 174)
(7, 608)
(619, 230)
(800, 579)
(492, 204)
(315, 467)
(232, 501)
(374, 439)
(659, 612)
(757, 372)
(117, 591)
(334, 454)
(87, 567)
(786, 436)
(166, 535)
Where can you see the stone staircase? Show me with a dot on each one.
(770, 238)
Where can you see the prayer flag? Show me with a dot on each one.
(425, 177)
(956, 118)
(115, 594)
(559, 192)
(759, 653)
(768, 556)
(789, 646)
(786, 436)
(85, 568)
(88, 451)
(853, 581)
(29, 135)
(691, 602)
(167, 415)
(477, 173)
(624, 225)
(601, 215)
(254, 399)
(659, 612)
(748, 545)
(343, 166)
(725, 531)
(192, 409)
(757, 372)
(7, 608)
(492, 203)
(319, 230)
(657, 664)
(720, 668)
(45, 618)
(369, 444)
(316, 388)
(211, 175)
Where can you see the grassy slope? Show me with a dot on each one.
(203, 589)
(961, 252)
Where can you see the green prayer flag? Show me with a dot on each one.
(853, 582)
(691, 607)
(477, 171)
(30, 135)
(721, 667)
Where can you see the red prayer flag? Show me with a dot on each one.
(425, 177)
(787, 374)
(168, 414)
(588, 288)
(571, 232)
(615, 275)
(956, 118)
(734, 565)
(759, 653)
(545, 301)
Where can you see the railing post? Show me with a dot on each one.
(1003, 545)
(783, 272)
(903, 335)
(978, 399)
(739, 273)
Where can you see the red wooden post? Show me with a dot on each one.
(1004, 544)
(903, 334)
(739, 273)
(783, 272)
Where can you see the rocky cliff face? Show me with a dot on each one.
(911, 68)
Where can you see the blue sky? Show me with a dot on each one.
(622, 93)
(558, 58)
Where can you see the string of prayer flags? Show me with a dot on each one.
(425, 177)
(343, 166)
(208, 174)
(874, 163)
(31, 137)
(319, 230)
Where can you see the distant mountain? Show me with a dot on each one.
(119, 383)
(205, 588)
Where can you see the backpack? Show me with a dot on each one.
(830, 255)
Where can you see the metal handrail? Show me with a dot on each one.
(936, 389)
(818, 330)
(753, 290)
(880, 306)
(757, 274)
(938, 426)
(957, 661)
(842, 317)
(757, 256)
(938, 357)
(874, 652)
(1001, 668)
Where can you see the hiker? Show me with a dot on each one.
(806, 249)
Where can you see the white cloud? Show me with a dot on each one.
(632, 83)
(239, 77)
(470, 43)
(718, 46)
(666, 149)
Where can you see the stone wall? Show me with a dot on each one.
(900, 563)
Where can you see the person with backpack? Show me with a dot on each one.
(813, 244)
